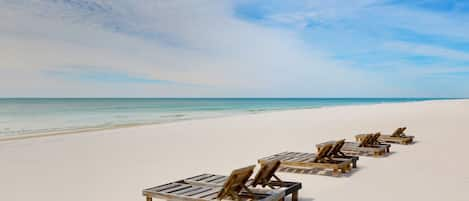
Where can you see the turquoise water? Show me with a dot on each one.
(43, 115)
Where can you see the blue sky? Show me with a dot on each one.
(255, 48)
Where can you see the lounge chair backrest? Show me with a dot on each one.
(402, 132)
(323, 151)
(365, 141)
(236, 182)
(398, 132)
(374, 139)
(265, 174)
(336, 149)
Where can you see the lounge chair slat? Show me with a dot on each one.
(289, 158)
(290, 153)
(212, 196)
(204, 179)
(268, 158)
(176, 189)
(297, 156)
(220, 180)
(283, 154)
(207, 176)
(207, 193)
(309, 160)
(300, 157)
(214, 178)
(201, 190)
(304, 157)
(166, 186)
(277, 157)
(198, 177)
(186, 191)
(307, 155)
(281, 157)
(273, 157)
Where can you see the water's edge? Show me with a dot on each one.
(90, 129)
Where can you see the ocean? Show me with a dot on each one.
(31, 116)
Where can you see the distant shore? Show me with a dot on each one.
(78, 130)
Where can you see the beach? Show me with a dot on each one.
(118, 164)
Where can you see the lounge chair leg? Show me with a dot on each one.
(294, 196)
(149, 198)
(335, 172)
(346, 169)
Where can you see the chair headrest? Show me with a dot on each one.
(265, 174)
(236, 181)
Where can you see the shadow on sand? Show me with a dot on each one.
(320, 172)
(305, 199)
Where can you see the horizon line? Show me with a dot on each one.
(350, 97)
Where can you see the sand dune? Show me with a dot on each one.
(117, 164)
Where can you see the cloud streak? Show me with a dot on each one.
(224, 48)
(93, 74)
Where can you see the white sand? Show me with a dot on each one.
(117, 164)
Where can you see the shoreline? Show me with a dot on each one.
(94, 129)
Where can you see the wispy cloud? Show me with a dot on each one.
(103, 75)
(437, 6)
(230, 48)
(427, 50)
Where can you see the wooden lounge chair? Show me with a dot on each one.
(264, 177)
(335, 153)
(369, 140)
(298, 162)
(363, 148)
(374, 142)
(207, 187)
(397, 136)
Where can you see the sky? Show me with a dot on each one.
(243, 48)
